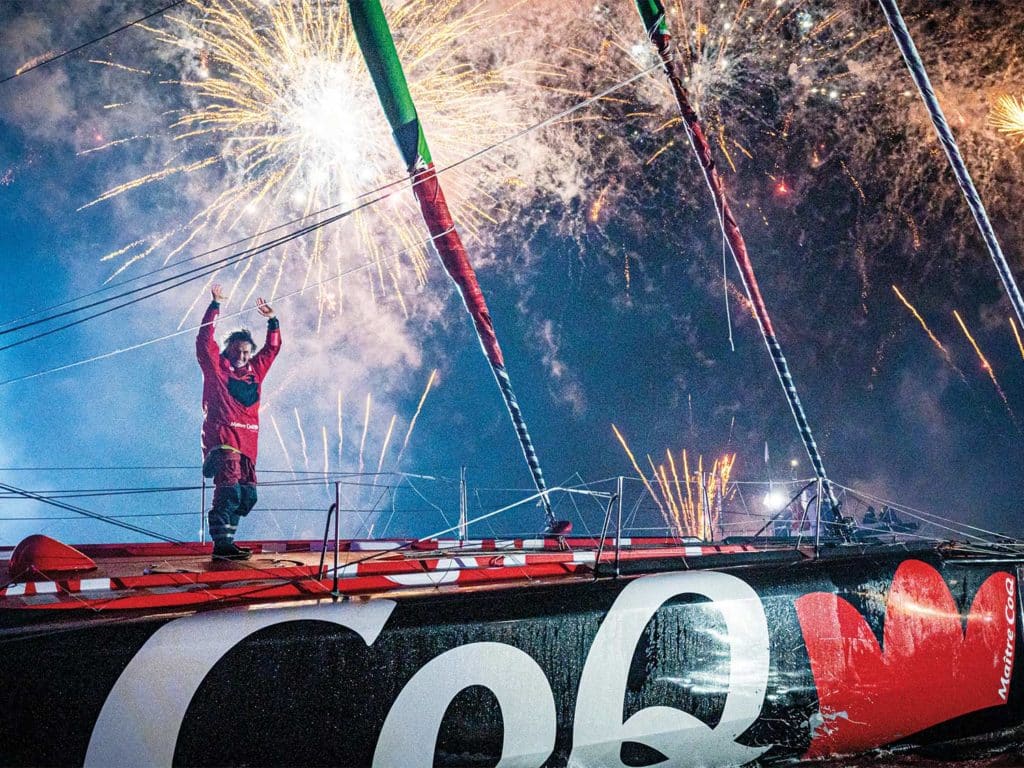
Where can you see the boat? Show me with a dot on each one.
(548, 651)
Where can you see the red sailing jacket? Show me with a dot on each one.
(231, 399)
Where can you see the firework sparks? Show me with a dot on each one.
(1016, 335)
(34, 62)
(595, 208)
(284, 447)
(697, 518)
(282, 112)
(327, 455)
(1007, 117)
(416, 415)
(700, 510)
(985, 365)
(938, 344)
(386, 443)
(639, 472)
(341, 431)
(302, 439)
(366, 425)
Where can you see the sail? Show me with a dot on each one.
(378, 48)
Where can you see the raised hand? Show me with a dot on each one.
(264, 309)
(218, 293)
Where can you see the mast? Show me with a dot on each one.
(949, 145)
(652, 12)
(378, 49)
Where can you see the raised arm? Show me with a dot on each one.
(207, 351)
(263, 359)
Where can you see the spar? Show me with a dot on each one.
(652, 13)
(378, 49)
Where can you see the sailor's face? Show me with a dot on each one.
(238, 353)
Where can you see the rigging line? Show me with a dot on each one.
(912, 57)
(243, 255)
(182, 331)
(43, 518)
(911, 510)
(379, 189)
(86, 513)
(112, 521)
(77, 48)
(200, 272)
(87, 493)
(725, 292)
(101, 469)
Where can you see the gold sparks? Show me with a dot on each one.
(598, 204)
(282, 116)
(365, 437)
(699, 512)
(386, 443)
(1016, 335)
(122, 67)
(945, 352)
(416, 415)
(643, 477)
(853, 180)
(985, 365)
(1007, 117)
(34, 62)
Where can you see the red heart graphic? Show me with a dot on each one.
(928, 669)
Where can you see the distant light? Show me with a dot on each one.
(774, 501)
(781, 188)
(794, 463)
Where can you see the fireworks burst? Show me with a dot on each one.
(359, 461)
(699, 511)
(1007, 117)
(283, 115)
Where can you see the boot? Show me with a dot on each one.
(228, 550)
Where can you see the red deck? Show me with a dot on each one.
(148, 576)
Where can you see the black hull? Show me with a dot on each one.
(759, 663)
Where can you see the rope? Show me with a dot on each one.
(725, 293)
(192, 329)
(298, 233)
(86, 513)
(77, 48)
(652, 13)
(956, 161)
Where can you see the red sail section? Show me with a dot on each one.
(449, 246)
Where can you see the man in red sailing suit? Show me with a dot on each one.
(232, 381)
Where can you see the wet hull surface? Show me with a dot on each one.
(759, 664)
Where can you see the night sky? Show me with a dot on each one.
(594, 239)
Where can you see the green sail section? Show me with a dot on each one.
(378, 47)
